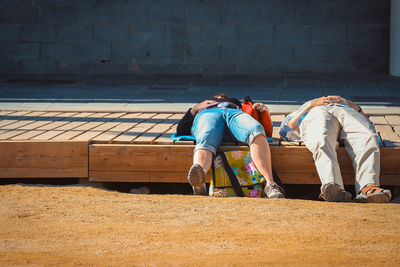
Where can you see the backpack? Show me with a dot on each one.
(262, 117)
(235, 174)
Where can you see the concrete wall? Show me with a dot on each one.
(194, 36)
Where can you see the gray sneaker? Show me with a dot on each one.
(373, 194)
(273, 190)
(197, 178)
(334, 193)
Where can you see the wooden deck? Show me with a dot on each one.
(136, 147)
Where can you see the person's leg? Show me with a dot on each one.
(208, 129)
(247, 130)
(361, 143)
(261, 155)
(319, 131)
(204, 158)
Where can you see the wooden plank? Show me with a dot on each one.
(72, 129)
(109, 122)
(138, 129)
(301, 160)
(169, 177)
(41, 120)
(396, 129)
(165, 138)
(155, 131)
(388, 136)
(152, 134)
(100, 118)
(43, 159)
(5, 112)
(393, 119)
(129, 121)
(63, 126)
(390, 159)
(29, 125)
(378, 120)
(51, 134)
(12, 129)
(24, 120)
(58, 120)
(39, 172)
(12, 118)
(276, 122)
(37, 127)
(96, 131)
(166, 163)
(117, 157)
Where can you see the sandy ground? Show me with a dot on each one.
(76, 225)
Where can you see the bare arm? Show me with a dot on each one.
(340, 100)
(200, 106)
(317, 102)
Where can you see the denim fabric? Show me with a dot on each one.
(212, 126)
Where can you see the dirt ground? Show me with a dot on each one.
(77, 225)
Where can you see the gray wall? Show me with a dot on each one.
(194, 36)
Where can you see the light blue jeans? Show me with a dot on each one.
(212, 126)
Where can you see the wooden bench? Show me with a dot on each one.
(136, 147)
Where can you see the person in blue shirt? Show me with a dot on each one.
(320, 123)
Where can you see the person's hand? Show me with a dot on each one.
(341, 100)
(319, 102)
(260, 107)
(337, 99)
(201, 105)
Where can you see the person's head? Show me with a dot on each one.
(220, 96)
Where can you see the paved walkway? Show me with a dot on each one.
(282, 92)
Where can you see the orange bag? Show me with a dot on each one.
(263, 117)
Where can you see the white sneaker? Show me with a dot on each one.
(273, 190)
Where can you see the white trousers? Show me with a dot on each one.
(324, 126)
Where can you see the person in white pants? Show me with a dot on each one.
(320, 123)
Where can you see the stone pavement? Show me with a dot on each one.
(281, 92)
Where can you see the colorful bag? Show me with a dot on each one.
(235, 174)
(261, 116)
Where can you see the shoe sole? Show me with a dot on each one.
(334, 193)
(277, 196)
(380, 197)
(197, 179)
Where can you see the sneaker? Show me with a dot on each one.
(334, 193)
(197, 178)
(273, 190)
(373, 194)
